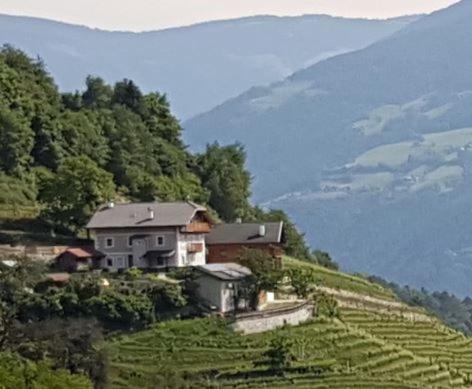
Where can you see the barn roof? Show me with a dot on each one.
(83, 252)
(225, 271)
(245, 233)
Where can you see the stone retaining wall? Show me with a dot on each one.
(262, 321)
(45, 253)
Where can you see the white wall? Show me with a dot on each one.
(173, 238)
(210, 290)
(189, 259)
(268, 321)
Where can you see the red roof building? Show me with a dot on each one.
(77, 258)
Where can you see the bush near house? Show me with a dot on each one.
(19, 373)
(66, 324)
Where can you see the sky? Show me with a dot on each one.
(142, 15)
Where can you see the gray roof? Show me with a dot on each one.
(225, 271)
(245, 233)
(138, 215)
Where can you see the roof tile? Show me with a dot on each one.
(138, 215)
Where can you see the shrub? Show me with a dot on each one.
(280, 354)
(301, 281)
(325, 305)
(19, 373)
(266, 274)
(69, 344)
(118, 311)
(133, 274)
(166, 296)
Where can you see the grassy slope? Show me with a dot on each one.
(20, 225)
(337, 280)
(362, 350)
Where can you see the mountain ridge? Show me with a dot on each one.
(198, 66)
(258, 17)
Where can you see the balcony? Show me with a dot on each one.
(193, 248)
(197, 228)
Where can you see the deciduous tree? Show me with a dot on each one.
(75, 192)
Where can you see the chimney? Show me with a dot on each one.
(262, 230)
(151, 213)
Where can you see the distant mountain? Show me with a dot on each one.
(198, 66)
(371, 151)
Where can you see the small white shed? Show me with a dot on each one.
(218, 284)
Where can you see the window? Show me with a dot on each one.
(160, 241)
(109, 242)
(130, 241)
(110, 262)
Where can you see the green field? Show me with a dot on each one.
(359, 350)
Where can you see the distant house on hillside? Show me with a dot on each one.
(218, 285)
(150, 235)
(225, 242)
(78, 258)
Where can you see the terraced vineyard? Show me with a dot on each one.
(361, 349)
(338, 280)
(426, 339)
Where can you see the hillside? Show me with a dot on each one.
(199, 66)
(64, 155)
(370, 152)
(366, 347)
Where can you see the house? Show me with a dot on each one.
(150, 235)
(78, 258)
(225, 242)
(219, 285)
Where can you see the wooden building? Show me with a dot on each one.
(78, 258)
(225, 242)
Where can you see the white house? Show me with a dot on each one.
(150, 235)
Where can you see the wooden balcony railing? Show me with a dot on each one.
(193, 248)
(197, 228)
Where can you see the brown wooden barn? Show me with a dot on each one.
(78, 258)
(226, 241)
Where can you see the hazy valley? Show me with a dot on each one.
(369, 151)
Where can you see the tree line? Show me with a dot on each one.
(452, 310)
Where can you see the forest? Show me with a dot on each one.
(65, 154)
